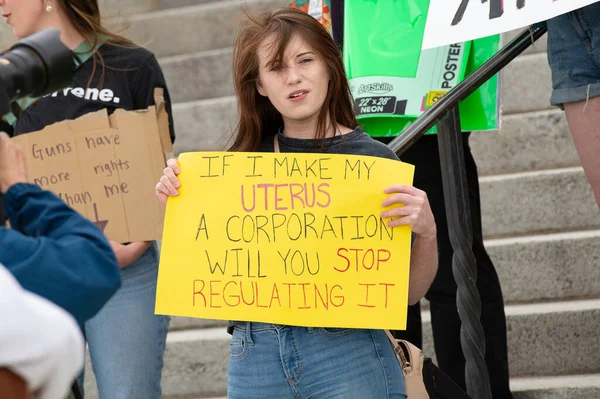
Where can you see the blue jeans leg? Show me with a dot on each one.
(126, 340)
(272, 361)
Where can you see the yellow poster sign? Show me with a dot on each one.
(293, 239)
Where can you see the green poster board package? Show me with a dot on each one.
(393, 81)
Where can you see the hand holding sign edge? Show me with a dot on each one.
(168, 183)
(414, 212)
(13, 169)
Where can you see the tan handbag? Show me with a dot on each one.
(412, 367)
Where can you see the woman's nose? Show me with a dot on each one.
(293, 76)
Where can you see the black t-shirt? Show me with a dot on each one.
(127, 82)
(357, 142)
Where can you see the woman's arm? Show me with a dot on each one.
(423, 267)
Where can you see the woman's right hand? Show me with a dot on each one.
(169, 183)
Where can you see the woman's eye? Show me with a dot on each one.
(275, 68)
(305, 60)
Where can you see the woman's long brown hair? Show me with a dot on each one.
(84, 15)
(257, 115)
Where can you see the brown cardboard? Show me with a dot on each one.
(106, 168)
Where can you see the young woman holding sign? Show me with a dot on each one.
(126, 339)
(293, 93)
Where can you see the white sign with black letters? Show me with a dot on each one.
(455, 21)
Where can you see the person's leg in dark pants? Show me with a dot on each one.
(442, 294)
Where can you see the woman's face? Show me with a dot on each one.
(298, 88)
(26, 17)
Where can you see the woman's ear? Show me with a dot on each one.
(260, 89)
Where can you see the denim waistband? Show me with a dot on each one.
(250, 327)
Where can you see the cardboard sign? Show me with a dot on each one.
(106, 168)
(454, 21)
(293, 239)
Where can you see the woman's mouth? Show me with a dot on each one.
(298, 95)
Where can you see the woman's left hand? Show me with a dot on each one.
(416, 211)
(127, 254)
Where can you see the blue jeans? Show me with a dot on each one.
(574, 55)
(126, 340)
(269, 361)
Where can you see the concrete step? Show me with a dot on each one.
(547, 339)
(122, 8)
(192, 29)
(564, 265)
(526, 84)
(196, 363)
(539, 202)
(204, 125)
(114, 8)
(167, 4)
(189, 323)
(557, 387)
(199, 76)
(527, 141)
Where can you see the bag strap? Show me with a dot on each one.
(399, 351)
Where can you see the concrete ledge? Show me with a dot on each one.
(204, 125)
(526, 84)
(199, 76)
(189, 323)
(548, 339)
(192, 29)
(528, 141)
(551, 339)
(537, 202)
(562, 266)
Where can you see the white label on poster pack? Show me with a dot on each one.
(439, 71)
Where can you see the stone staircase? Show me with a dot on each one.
(540, 219)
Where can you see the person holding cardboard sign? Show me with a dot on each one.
(126, 340)
(52, 250)
(294, 97)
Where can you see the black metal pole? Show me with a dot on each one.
(464, 267)
(466, 88)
